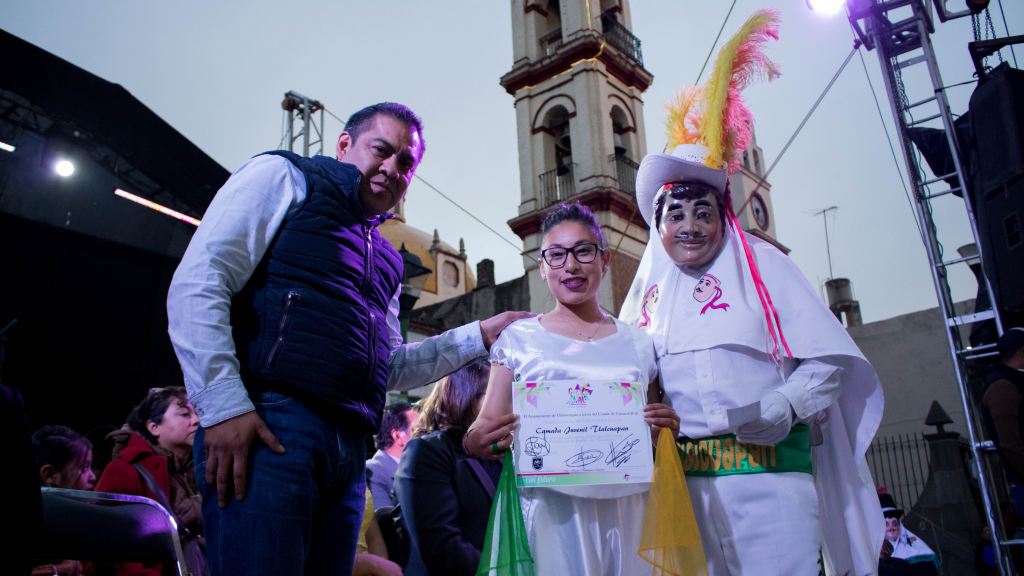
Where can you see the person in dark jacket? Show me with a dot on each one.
(446, 495)
(1003, 411)
(284, 316)
(158, 436)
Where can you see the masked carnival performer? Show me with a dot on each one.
(777, 404)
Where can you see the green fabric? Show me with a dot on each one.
(724, 455)
(506, 549)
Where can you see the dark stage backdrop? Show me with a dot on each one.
(92, 332)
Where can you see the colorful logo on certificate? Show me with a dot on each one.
(529, 392)
(578, 395)
(630, 392)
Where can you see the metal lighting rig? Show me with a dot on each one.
(900, 44)
(302, 110)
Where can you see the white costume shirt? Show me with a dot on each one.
(236, 231)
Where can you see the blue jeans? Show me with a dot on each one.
(302, 509)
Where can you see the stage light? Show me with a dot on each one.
(7, 147)
(65, 168)
(826, 7)
(155, 206)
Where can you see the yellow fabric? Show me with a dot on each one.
(671, 540)
(361, 547)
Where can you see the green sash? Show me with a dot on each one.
(724, 455)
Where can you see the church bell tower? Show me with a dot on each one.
(577, 78)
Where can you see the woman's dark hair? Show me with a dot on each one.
(687, 191)
(153, 407)
(573, 213)
(58, 445)
(451, 403)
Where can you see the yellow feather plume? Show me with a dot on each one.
(739, 61)
(681, 125)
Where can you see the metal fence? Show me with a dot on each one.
(901, 464)
(619, 36)
(557, 185)
(549, 43)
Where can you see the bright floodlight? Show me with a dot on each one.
(827, 7)
(65, 168)
(6, 147)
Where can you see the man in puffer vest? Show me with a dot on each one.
(284, 316)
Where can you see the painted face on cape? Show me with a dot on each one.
(651, 301)
(692, 228)
(705, 288)
(892, 529)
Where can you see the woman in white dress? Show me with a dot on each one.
(573, 530)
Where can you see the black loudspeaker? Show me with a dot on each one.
(997, 127)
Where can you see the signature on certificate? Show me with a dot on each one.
(620, 453)
(583, 458)
(536, 447)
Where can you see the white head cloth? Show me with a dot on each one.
(850, 516)
(908, 545)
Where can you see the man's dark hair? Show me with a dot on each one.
(58, 445)
(394, 419)
(574, 212)
(360, 121)
(687, 191)
(153, 407)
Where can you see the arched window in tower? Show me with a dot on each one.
(622, 155)
(746, 159)
(757, 163)
(557, 183)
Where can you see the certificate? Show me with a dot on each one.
(574, 433)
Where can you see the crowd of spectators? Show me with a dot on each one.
(431, 498)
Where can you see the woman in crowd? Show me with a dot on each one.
(602, 525)
(446, 495)
(154, 450)
(63, 459)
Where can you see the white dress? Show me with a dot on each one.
(581, 530)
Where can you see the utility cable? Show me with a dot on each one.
(717, 38)
(484, 224)
(892, 149)
(710, 52)
(800, 127)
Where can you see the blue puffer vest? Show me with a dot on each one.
(311, 323)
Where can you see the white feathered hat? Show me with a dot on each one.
(686, 163)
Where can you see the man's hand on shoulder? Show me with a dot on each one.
(227, 451)
(492, 327)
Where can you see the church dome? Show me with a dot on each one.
(450, 275)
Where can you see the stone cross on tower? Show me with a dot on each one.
(577, 77)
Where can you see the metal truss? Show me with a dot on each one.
(900, 44)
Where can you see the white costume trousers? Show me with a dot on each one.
(574, 536)
(758, 524)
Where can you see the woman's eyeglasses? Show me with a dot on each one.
(583, 253)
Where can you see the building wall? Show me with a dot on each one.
(910, 354)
